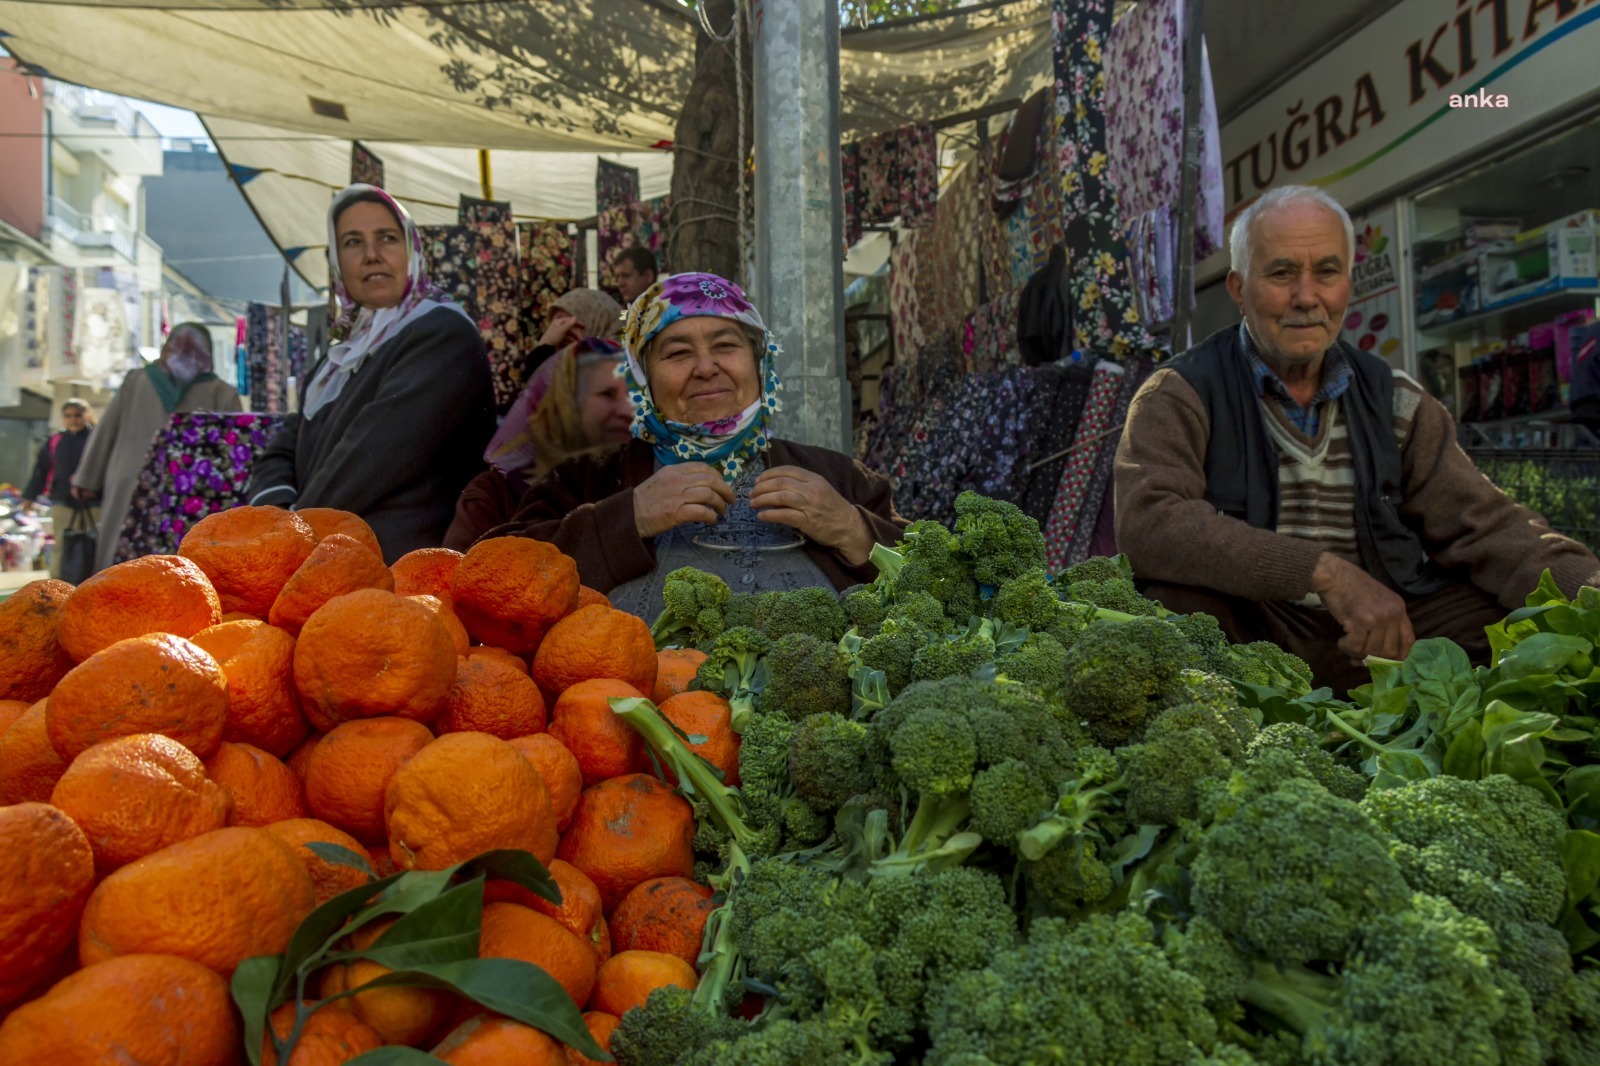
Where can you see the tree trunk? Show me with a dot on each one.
(706, 166)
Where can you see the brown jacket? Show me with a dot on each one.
(1171, 534)
(585, 508)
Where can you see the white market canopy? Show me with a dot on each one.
(285, 86)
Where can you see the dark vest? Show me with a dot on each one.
(1241, 462)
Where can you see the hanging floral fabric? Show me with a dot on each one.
(479, 268)
(650, 227)
(616, 190)
(919, 175)
(880, 178)
(946, 283)
(905, 318)
(1023, 151)
(850, 183)
(1104, 312)
(1083, 531)
(198, 464)
(1056, 403)
(547, 254)
(274, 370)
(255, 346)
(1098, 411)
(1144, 108)
(365, 168)
(472, 210)
(989, 336)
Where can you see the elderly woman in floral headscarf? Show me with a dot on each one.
(394, 421)
(704, 482)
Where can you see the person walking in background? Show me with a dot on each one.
(180, 380)
(59, 457)
(395, 419)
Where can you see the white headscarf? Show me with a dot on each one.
(361, 330)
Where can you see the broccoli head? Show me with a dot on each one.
(1117, 595)
(928, 560)
(920, 610)
(1206, 638)
(1491, 847)
(1264, 664)
(1100, 991)
(1120, 674)
(829, 760)
(1261, 874)
(1166, 771)
(668, 1025)
(1000, 540)
(1009, 798)
(808, 676)
(1041, 663)
(694, 604)
(954, 657)
(1300, 742)
(814, 611)
(1232, 729)
(892, 651)
(1422, 982)
(864, 608)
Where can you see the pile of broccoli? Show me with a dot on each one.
(989, 815)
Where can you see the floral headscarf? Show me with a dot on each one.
(360, 330)
(727, 443)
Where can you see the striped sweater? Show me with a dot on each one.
(1468, 526)
(1316, 473)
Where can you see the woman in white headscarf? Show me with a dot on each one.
(394, 421)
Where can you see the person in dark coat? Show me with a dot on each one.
(58, 458)
(704, 483)
(394, 420)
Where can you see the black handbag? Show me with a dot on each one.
(77, 547)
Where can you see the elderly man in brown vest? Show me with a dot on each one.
(1303, 491)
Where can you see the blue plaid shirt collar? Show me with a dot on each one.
(1336, 371)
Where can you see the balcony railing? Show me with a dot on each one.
(87, 231)
(91, 105)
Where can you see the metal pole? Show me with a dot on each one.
(485, 179)
(1189, 187)
(799, 275)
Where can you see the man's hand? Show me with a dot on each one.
(799, 499)
(679, 494)
(1372, 614)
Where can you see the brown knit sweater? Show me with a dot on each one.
(585, 508)
(1171, 534)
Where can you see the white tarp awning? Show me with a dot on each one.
(285, 86)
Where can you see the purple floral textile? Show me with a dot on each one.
(198, 464)
(1081, 544)
(919, 175)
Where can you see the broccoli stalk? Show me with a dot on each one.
(934, 839)
(1087, 796)
(697, 779)
(736, 669)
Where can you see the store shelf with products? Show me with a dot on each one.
(1505, 273)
